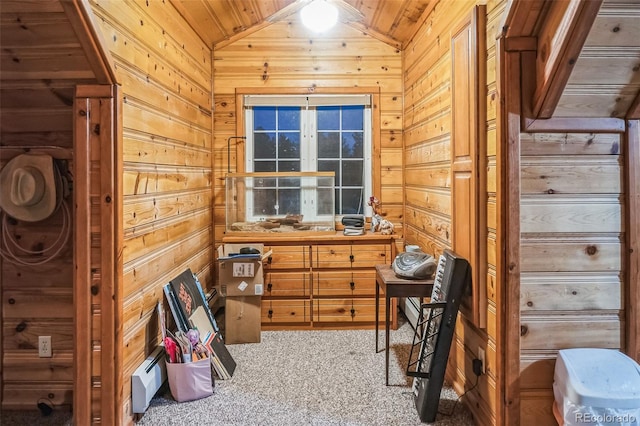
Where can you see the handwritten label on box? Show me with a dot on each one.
(243, 269)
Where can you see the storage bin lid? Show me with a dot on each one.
(604, 378)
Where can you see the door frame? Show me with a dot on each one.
(97, 256)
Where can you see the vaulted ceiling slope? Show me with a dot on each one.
(605, 81)
(47, 46)
(588, 53)
(219, 22)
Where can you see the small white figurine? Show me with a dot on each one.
(377, 222)
(385, 227)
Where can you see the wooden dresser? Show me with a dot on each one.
(320, 281)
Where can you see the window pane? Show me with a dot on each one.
(288, 201)
(324, 201)
(263, 201)
(288, 166)
(289, 118)
(328, 118)
(264, 118)
(330, 166)
(264, 145)
(352, 201)
(289, 145)
(290, 182)
(352, 173)
(353, 117)
(264, 166)
(352, 144)
(328, 145)
(264, 182)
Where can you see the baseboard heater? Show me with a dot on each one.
(411, 308)
(147, 380)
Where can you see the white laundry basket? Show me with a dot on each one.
(597, 387)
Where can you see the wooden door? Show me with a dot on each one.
(467, 151)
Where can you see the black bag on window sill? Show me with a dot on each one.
(353, 220)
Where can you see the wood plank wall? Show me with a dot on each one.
(165, 72)
(286, 56)
(572, 245)
(37, 300)
(427, 181)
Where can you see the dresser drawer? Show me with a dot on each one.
(287, 284)
(332, 256)
(344, 283)
(287, 257)
(370, 255)
(346, 310)
(350, 256)
(286, 311)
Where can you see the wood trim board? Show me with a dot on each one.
(510, 211)
(501, 186)
(82, 275)
(632, 231)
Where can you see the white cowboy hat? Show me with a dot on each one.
(28, 187)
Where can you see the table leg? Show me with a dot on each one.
(377, 314)
(387, 302)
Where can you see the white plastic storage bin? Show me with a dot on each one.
(597, 387)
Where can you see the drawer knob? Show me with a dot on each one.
(269, 260)
(353, 312)
(269, 287)
(270, 313)
(351, 258)
(352, 285)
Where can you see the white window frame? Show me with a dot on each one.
(308, 141)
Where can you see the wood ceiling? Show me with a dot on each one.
(600, 77)
(606, 78)
(605, 82)
(219, 22)
(42, 53)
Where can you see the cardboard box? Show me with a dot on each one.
(241, 280)
(242, 317)
(240, 275)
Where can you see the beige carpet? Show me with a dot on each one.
(311, 378)
(300, 378)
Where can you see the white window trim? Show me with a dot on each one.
(308, 158)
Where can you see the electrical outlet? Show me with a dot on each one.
(44, 346)
(482, 359)
(477, 367)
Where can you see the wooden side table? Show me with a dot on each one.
(393, 286)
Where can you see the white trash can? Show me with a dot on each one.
(595, 386)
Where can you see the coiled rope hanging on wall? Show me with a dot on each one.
(13, 252)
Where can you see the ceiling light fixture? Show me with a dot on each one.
(319, 15)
